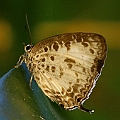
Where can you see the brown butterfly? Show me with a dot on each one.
(67, 66)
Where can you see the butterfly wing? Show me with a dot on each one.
(68, 66)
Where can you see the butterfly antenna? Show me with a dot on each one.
(29, 30)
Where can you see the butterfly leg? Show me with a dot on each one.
(86, 110)
(30, 80)
(21, 59)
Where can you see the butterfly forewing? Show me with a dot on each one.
(67, 66)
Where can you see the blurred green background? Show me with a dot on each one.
(52, 17)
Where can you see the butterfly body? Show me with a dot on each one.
(67, 66)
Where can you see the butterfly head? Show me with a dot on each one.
(23, 57)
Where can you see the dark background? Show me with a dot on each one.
(51, 17)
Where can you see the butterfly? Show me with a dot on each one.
(66, 66)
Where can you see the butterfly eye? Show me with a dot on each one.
(28, 47)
